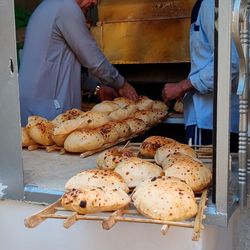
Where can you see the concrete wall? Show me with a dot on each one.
(89, 235)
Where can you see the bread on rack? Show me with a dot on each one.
(105, 106)
(122, 128)
(144, 103)
(68, 115)
(123, 102)
(94, 200)
(40, 130)
(82, 140)
(110, 158)
(196, 174)
(171, 148)
(135, 170)
(151, 144)
(160, 106)
(165, 198)
(26, 139)
(96, 178)
(109, 133)
(137, 126)
(178, 107)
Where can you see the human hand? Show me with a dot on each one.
(128, 91)
(106, 93)
(176, 91)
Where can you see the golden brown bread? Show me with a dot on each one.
(165, 198)
(137, 126)
(135, 170)
(123, 102)
(68, 115)
(160, 106)
(40, 130)
(26, 139)
(196, 174)
(110, 158)
(144, 103)
(105, 106)
(96, 178)
(151, 144)
(83, 140)
(109, 133)
(171, 148)
(94, 200)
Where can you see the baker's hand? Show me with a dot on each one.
(176, 91)
(106, 93)
(128, 91)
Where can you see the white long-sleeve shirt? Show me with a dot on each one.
(57, 43)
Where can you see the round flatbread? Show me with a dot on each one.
(135, 170)
(94, 200)
(196, 174)
(165, 198)
(96, 178)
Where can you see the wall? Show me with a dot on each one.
(89, 235)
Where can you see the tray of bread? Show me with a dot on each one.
(105, 125)
(159, 181)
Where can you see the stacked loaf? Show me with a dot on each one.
(106, 124)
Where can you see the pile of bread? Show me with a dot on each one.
(107, 123)
(163, 189)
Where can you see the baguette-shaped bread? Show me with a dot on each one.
(96, 178)
(144, 103)
(165, 198)
(109, 133)
(135, 170)
(26, 139)
(83, 140)
(105, 106)
(172, 148)
(137, 126)
(123, 102)
(40, 130)
(94, 200)
(196, 174)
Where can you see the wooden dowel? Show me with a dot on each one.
(164, 229)
(70, 220)
(35, 146)
(53, 148)
(111, 220)
(36, 219)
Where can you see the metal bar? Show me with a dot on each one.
(11, 171)
(243, 108)
(223, 114)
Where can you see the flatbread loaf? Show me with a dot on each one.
(144, 103)
(40, 130)
(137, 126)
(123, 102)
(171, 148)
(110, 158)
(165, 198)
(105, 106)
(196, 174)
(109, 133)
(96, 178)
(68, 115)
(135, 170)
(151, 144)
(160, 106)
(83, 140)
(122, 129)
(94, 200)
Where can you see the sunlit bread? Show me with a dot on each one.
(144, 103)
